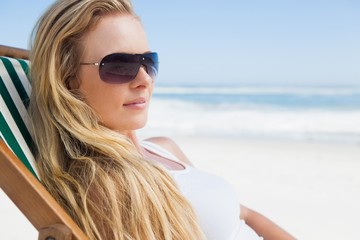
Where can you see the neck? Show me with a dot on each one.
(132, 136)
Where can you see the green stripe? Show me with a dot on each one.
(16, 80)
(25, 66)
(16, 115)
(14, 145)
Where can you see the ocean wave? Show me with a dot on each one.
(269, 97)
(176, 117)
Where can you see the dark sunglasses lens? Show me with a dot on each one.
(152, 64)
(151, 70)
(117, 68)
(122, 68)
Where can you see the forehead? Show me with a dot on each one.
(114, 33)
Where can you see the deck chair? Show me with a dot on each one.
(18, 174)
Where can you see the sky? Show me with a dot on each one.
(234, 42)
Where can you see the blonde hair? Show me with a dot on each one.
(96, 174)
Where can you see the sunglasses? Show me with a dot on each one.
(123, 67)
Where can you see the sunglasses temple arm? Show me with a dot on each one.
(96, 64)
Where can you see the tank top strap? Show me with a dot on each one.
(158, 150)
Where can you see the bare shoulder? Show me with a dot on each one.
(170, 146)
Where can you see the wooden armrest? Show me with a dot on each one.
(14, 52)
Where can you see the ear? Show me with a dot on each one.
(73, 83)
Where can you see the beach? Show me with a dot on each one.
(311, 189)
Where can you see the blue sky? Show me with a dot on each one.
(235, 42)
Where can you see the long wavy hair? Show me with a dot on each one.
(96, 174)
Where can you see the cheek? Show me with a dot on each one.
(102, 97)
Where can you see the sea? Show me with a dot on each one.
(317, 114)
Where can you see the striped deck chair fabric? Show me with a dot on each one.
(15, 90)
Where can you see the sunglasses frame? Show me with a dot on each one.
(129, 64)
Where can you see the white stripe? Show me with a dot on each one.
(18, 136)
(22, 75)
(14, 94)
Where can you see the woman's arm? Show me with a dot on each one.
(263, 226)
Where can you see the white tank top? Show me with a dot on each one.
(214, 200)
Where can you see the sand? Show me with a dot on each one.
(310, 189)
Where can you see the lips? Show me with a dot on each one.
(138, 103)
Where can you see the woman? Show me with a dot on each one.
(93, 76)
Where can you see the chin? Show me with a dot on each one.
(140, 125)
(137, 124)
